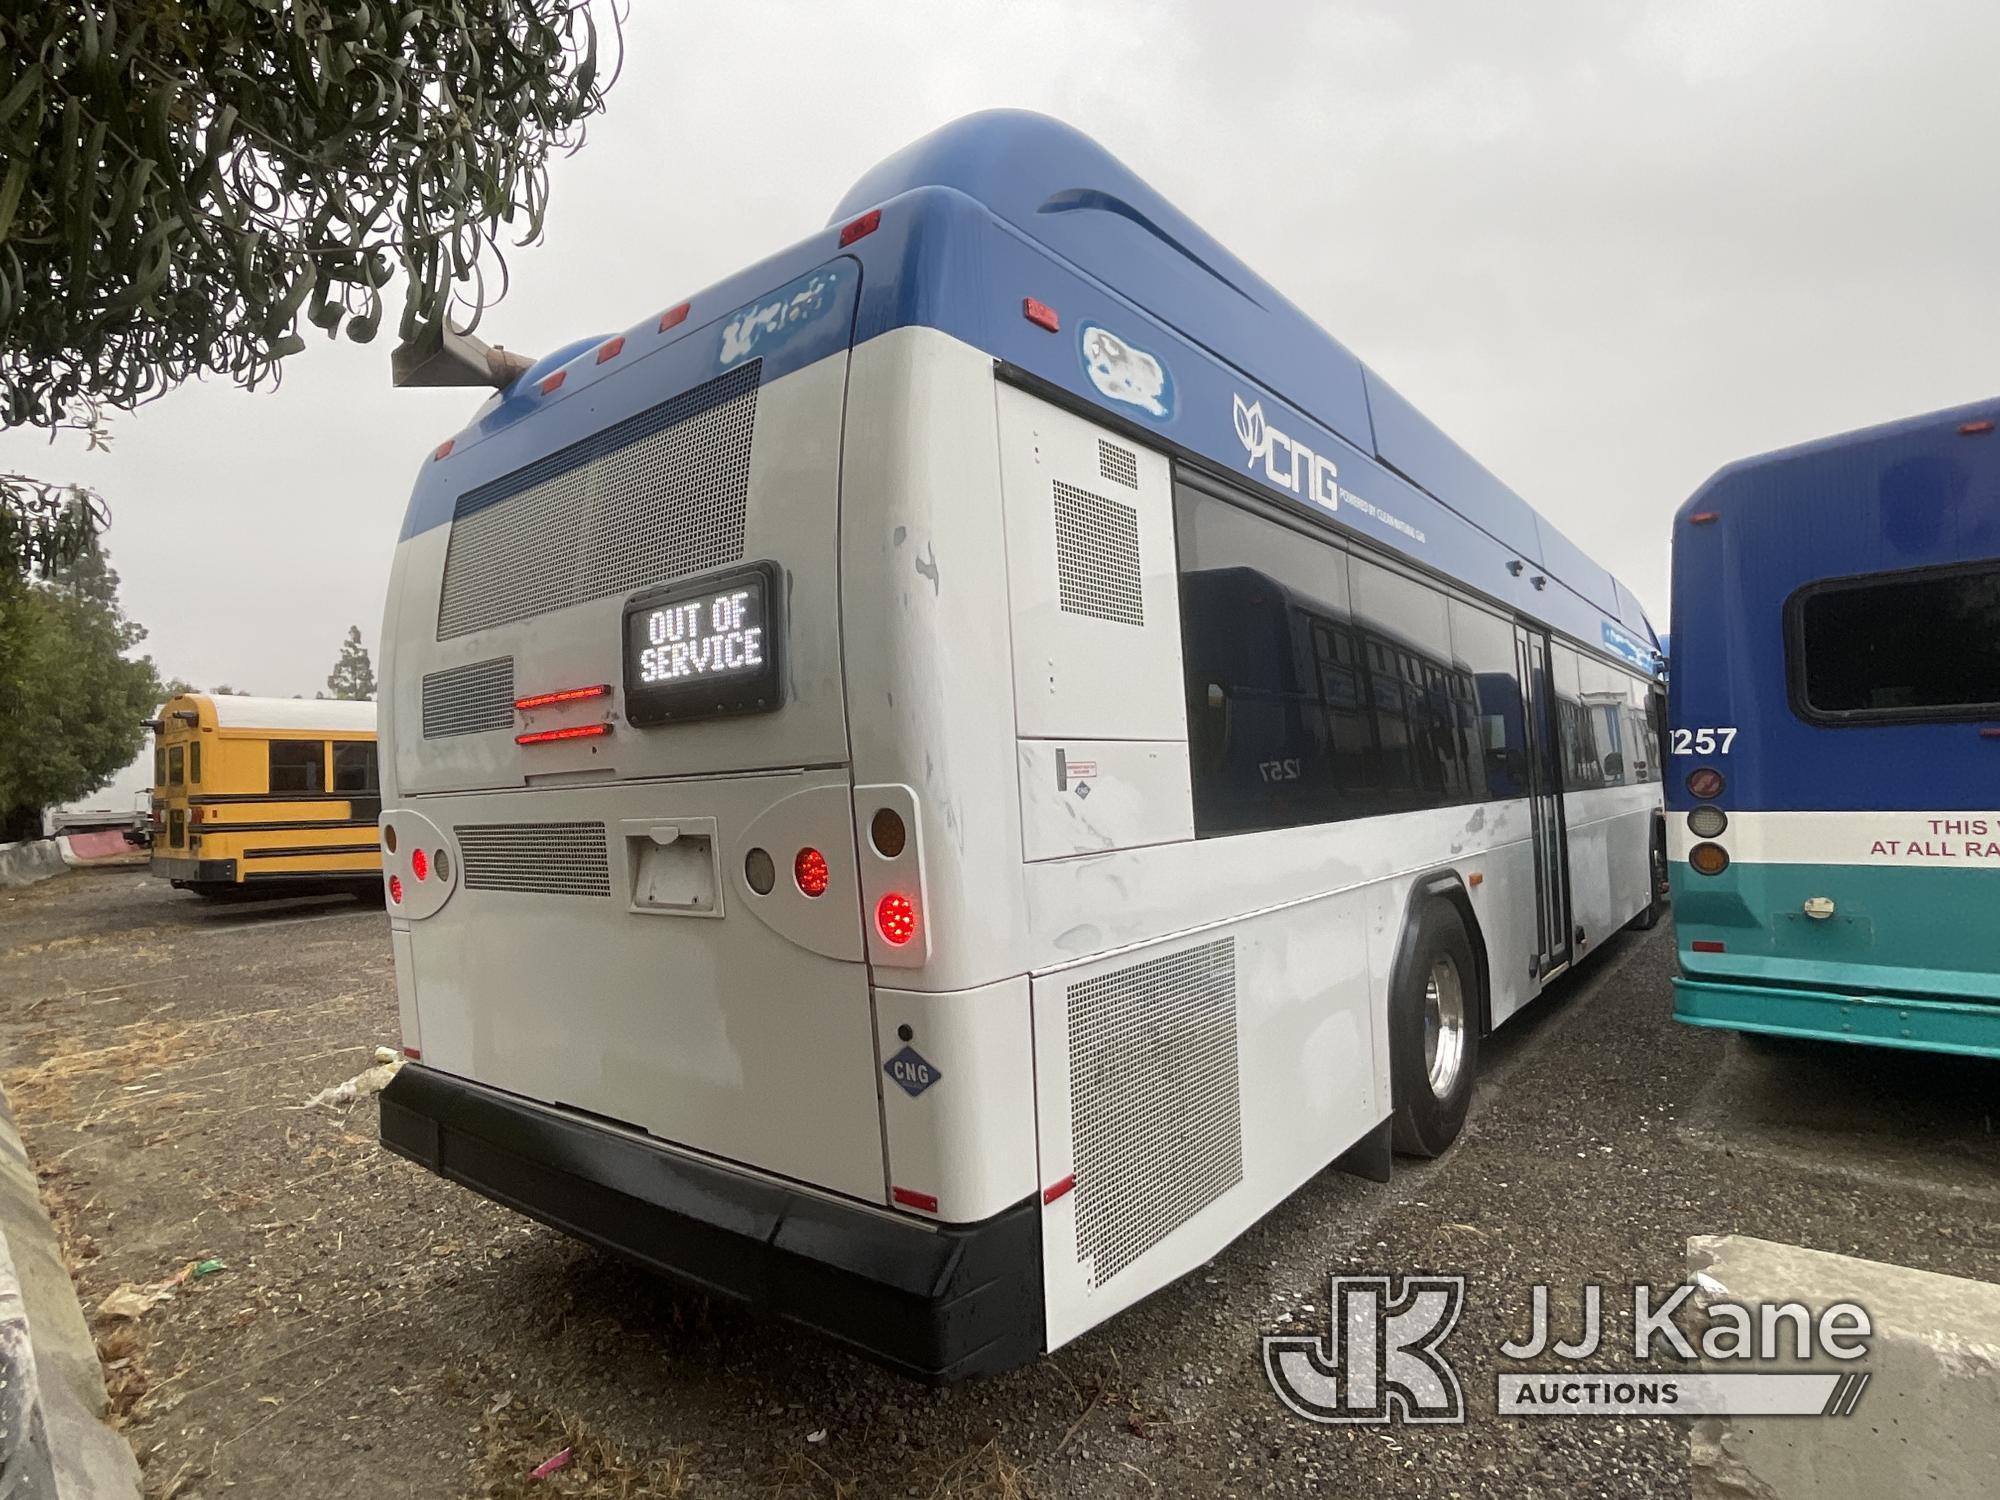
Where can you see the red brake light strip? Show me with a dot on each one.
(574, 732)
(564, 695)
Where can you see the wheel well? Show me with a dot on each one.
(1445, 885)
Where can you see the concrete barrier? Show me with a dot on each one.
(1929, 1420)
(54, 1442)
(31, 860)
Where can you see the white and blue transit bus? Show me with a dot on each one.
(1834, 782)
(931, 784)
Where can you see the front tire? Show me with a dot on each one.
(1434, 1034)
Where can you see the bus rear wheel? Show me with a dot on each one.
(1434, 1033)
(1656, 872)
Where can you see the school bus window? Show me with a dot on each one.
(159, 765)
(175, 766)
(354, 768)
(194, 764)
(298, 765)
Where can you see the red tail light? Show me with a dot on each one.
(1705, 783)
(896, 917)
(811, 872)
(420, 865)
(563, 695)
(910, 1198)
(1057, 1190)
(574, 732)
(1706, 945)
(396, 888)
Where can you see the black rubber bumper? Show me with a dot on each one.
(939, 1304)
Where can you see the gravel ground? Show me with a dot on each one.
(374, 1328)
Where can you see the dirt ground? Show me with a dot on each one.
(374, 1330)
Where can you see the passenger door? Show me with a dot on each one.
(1553, 943)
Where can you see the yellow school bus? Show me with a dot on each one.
(265, 793)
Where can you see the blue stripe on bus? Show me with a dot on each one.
(1004, 206)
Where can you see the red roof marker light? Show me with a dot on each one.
(610, 348)
(673, 317)
(574, 732)
(866, 225)
(1703, 517)
(551, 383)
(1975, 429)
(444, 448)
(563, 695)
(1041, 314)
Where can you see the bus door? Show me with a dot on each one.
(1545, 809)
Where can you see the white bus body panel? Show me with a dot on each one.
(1189, 1086)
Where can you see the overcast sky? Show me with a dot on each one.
(1608, 247)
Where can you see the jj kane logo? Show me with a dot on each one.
(1379, 1361)
(1288, 463)
(1381, 1357)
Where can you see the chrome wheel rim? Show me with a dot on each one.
(1444, 1027)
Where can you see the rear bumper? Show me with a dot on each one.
(937, 1304)
(195, 871)
(1967, 1027)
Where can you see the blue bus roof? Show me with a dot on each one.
(1005, 206)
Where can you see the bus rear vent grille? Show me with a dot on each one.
(650, 498)
(1119, 465)
(1097, 557)
(1155, 1115)
(469, 699)
(555, 859)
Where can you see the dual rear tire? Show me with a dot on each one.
(1434, 1018)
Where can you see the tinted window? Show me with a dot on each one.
(298, 765)
(176, 766)
(194, 763)
(1277, 726)
(1907, 646)
(1419, 705)
(354, 767)
(159, 765)
(1575, 737)
(1483, 648)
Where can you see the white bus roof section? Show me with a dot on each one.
(293, 713)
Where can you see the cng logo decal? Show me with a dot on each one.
(913, 1074)
(1288, 463)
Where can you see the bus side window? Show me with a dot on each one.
(298, 766)
(175, 766)
(354, 768)
(159, 765)
(194, 764)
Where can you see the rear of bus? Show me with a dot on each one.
(266, 794)
(633, 886)
(1835, 740)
